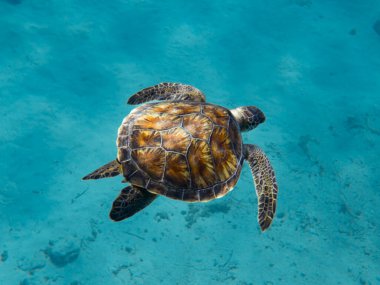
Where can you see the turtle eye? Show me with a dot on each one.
(255, 116)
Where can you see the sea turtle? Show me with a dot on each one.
(186, 149)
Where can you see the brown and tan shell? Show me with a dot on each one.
(187, 151)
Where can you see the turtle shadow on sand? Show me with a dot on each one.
(376, 27)
(13, 2)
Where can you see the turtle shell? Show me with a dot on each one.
(188, 151)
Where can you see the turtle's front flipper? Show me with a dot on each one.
(131, 200)
(111, 169)
(265, 183)
(167, 91)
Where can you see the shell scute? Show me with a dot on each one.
(176, 170)
(123, 154)
(219, 116)
(145, 138)
(198, 126)
(156, 188)
(176, 108)
(150, 160)
(235, 138)
(157, 121)
(225, 159)
(190, 195)
(137, 178)
(122, 140)
(206, 194)
(201, 165)
(176, 140)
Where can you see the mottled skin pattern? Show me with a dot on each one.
(187, 150)
(248, 117)
(167, 91)
(130, 200)
(265, 183)
(110, 169)
(181, 150)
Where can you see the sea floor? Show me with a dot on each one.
(67, 69)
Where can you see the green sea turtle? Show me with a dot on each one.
(186, 149)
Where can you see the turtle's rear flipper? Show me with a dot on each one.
(265, 183)
(167, 91)
(131, 200)
(111, 169)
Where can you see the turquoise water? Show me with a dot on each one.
(66, 71)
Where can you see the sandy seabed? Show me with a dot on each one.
(66, 71)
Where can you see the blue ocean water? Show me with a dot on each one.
(66, 70)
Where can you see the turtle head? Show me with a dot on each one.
(248, 117)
